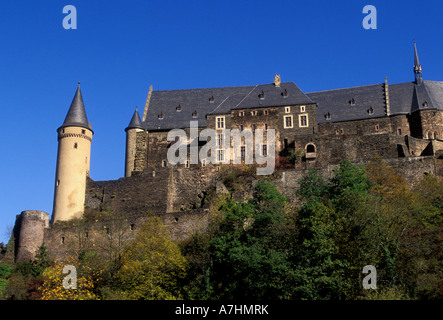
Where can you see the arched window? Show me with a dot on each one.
(435, 134)
(310, 148)
(310, 151)
(429, 135)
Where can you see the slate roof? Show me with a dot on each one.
(404, 98)
(338, 103)
(171, 109)
(76, 116)
(136, 122)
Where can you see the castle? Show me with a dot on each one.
(402, 123)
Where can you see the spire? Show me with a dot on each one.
(136, 122)
(76, 116)
(417, 66)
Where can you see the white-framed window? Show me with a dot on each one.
(187, 164)
(241, 114)
(220, 138)
(253, 113)
(203, 162)
(265, 112)
(287, 109)
(220, 155)
(219, 122)
(302, 108)
(288, 122)
(303, 120)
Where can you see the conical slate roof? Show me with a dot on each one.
(76, 116)
(136, 122)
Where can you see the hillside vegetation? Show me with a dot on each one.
(264, 248)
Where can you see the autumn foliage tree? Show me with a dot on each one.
(152, 265)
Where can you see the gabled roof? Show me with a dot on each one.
(136, 122)
(370, 101)
(76, 116)
(171, 109)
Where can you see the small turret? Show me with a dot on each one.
(135, 125)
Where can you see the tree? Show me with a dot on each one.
(332, 242)
(248, 259)
(86, 281)
(152, 265)
(311, 186)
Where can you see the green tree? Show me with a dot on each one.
(152, 265)
(312, 186)
(332, 242)
(248, 260)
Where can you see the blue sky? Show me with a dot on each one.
(121, 47)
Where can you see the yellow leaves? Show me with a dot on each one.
(53, 289)
(152, 264)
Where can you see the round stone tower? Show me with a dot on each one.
(29, 232)
(73, 159)
(131, 146)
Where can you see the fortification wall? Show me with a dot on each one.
(109, 237)
(155, 190)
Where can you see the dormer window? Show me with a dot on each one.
(211, 99)
(425, 104)
(370, 111)
(178, 108)
(261, 95)
(352, 102)
(160, 116)
(195, 114)
(285, 93)
(328, 116)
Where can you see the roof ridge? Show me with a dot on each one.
(227, 87)
(368, 85)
